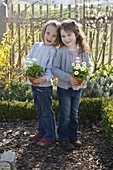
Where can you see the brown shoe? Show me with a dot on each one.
(76, 143)
(66, 145)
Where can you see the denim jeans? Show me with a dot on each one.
(68, 113)
(46, 117)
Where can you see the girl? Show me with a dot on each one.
(74, 49)
(43, 53)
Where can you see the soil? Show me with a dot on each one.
(95, 154)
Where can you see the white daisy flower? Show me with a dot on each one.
(78, 57)
(84, 63)
(77, 61)
(76, 68)
(76, 73)
(83, 68)
(78, 65)
(73, 64)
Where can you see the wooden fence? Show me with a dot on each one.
(26, 21)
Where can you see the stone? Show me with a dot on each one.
(9, 157)
(5, 166)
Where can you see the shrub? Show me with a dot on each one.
(107, 118)
(17, 90)
(90, 110)
(100, 87)
(17, 110)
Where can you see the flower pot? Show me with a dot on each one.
(31, 80)
(79, 82)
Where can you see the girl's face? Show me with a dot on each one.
(68, 39)
(50, 35)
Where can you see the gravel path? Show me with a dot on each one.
(95, 153)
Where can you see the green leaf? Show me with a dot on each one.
(34, 70)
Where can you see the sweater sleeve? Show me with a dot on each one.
(29, 58)
(48, 72)
(57, 70)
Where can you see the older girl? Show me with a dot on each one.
(44, 53)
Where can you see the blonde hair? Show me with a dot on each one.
(56, 24)
(76, 28)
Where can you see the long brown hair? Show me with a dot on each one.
(73, 26)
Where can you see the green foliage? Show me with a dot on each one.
(106, 70)
(90, 110)
(107, 118)
(8, 69)
(101, 84)
(17, 90)
(5, 49)
(103, 71)
(34, 70)
(21, 110)
(17, 110)
(26, 110)
(100, 87)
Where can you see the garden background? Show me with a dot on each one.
(24, 23)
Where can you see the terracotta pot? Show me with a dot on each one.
(31, 80)
(79, 82)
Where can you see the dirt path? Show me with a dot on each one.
(95, 153)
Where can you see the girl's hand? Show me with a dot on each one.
(74, 81)
(40, 80)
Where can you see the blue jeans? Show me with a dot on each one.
(46, 116)
(68, 113)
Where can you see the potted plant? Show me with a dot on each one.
(80, 72)
(34, 71)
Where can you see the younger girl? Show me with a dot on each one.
(43, 53)
(75, 50)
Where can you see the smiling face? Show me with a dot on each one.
(50, 35)
(68, 39)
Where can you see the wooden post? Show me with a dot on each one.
(3, 15)
(111, 43)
